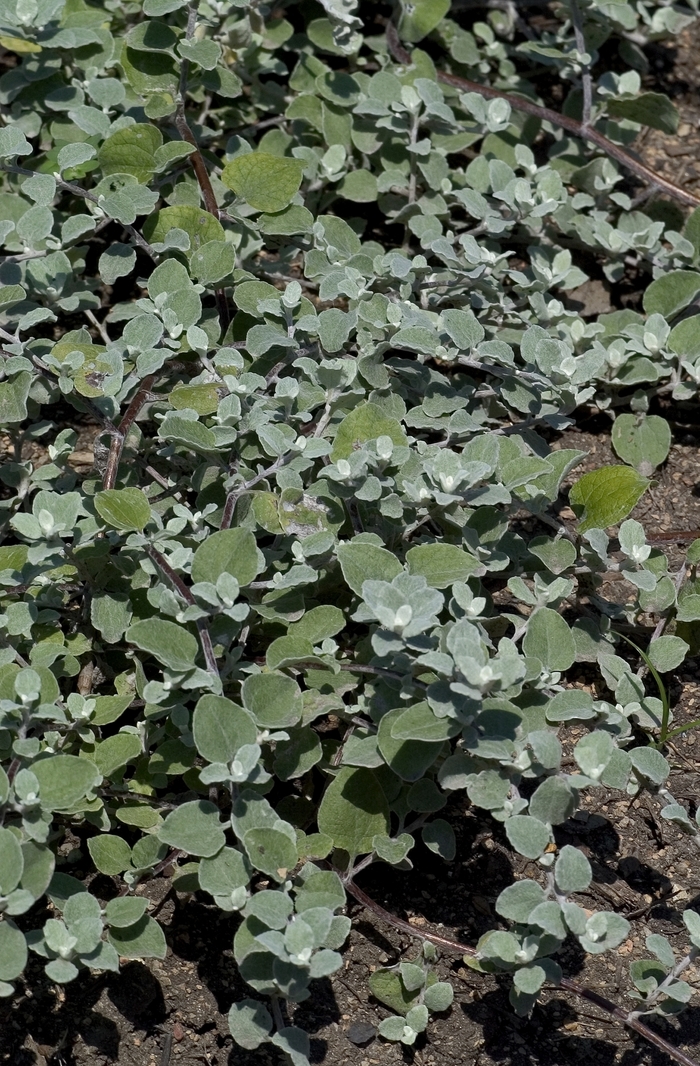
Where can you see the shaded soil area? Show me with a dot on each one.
(173, 1013)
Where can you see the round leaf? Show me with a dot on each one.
(274, 700)
(220, 727)
(266, 182)
(353, 810)
(123, 508)
(13, 951)
(64, 780)
(606, 496)
(230, 551)
(194, 827)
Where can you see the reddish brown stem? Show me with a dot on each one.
(674, 536)
(118, 440)
(202, 175)
(571, 125)
(566, 983)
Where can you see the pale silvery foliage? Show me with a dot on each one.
(314, 512)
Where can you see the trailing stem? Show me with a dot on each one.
(198, 164)
(630, 1019)
(571, 125)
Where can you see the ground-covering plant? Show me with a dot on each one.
(313, 294)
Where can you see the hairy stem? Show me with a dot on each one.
(572, 125)
(118, 440)
(566, 983)
(198, 164)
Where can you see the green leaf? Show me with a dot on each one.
(249, 1023)
(439, 836)
(442, 564)
(667, 653)
(648, 109)
(64, 780)
(123, 508)
(684, 339)
(110, 614)
(353, 810)
(553, 801)
(572, 871)
(223, 875)
(319, 623)
(109, 708)
(529, 836)
(294, 1042)
(419, 17)
(360, 186)
(220, 727)
(273, 699)
(298, 755)
(13, 143)
(172, 644)
(604, 497)
(115, 752)
(11, 862)
(438, 997)
(409, 759)
(13, 396)
(271, 851)
(362, 562)
(125, 910)
(549, 639)
(213, 261)
(200, 226)
(149, 72)
(365, 423)
(131, 151)
(643, 441)
(143, 940)
(110, 854)
(518, 901)
(593, 753)
(650, 764)
(266, 182)
(13, 950)
(39, 864)
(670, 293)
(387, 986)
(420, 723)
(116, 261)
(194, 827)
(230, 551)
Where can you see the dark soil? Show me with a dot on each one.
(173, 1013)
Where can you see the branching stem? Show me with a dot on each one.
(571, 125)
(566, 983)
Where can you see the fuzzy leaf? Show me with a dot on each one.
(194, 827)
(354, 810)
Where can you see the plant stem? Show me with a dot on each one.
(198, 164)
(116, 446)
(566, 983)
(181, 588)
(572, 125)
(233, 497)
